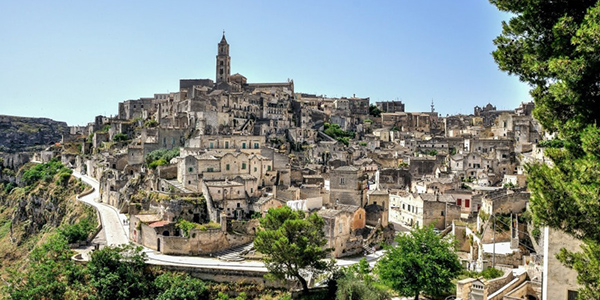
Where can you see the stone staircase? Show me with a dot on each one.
(234, 254)
(179, 186)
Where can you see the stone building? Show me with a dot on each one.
(390, 106)
(377, 208)
(424, 210)
(341, 225)
(347, 186)
(559, 281)
(223, 62)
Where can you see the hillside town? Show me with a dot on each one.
(194, 170)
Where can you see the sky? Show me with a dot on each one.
(73, 60)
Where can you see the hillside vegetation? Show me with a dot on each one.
(36, 201)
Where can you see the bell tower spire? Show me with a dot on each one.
(223, 61)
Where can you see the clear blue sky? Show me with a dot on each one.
(73, 60)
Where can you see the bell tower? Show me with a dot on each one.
(223, 61)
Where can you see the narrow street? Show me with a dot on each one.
(112, 223)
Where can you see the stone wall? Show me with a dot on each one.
(167, 172)
(558, 279)
(199, 242)
(501, 286)
(222, 274)
(528, 288)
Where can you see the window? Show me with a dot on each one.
(243, 145)
(268, 168)
(467, 202)
(459, 202)
(191, 169)
(227, 167)
(211, 145)
(210, 170)
(254, 169)
(243, 166)
(442, 213)
(256, 146)
(226, 144)
(342, 181)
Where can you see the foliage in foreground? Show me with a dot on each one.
(51, 274)
(553, 46)
(421, 262)
(356, 282)
(292, 244)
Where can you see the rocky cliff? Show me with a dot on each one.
(19, 134)
(30, 212)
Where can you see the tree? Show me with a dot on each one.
(553, 46)
(292, 244)
(356, 282)
(119, 273)
(176, 286)
(51, 274)
(421, 262)
(374, 111)
(120, 137)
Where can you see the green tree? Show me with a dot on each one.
(421, 262)
(553, 46)
(175, 286)
(119, 273)
(356, 282)
(160, 157)
(120, 137)
(374, 111)
(292, 244)
(51, 273)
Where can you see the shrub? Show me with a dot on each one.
(552, 143)
(63, 178)
(156, 163)
(45, 171)
(78, 231)
(8, 188)
(536, 233)
(120, 137)
(151, 123)
(186, 226)
(158, 154)
(491, 273)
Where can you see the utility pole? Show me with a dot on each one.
(493, 237)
